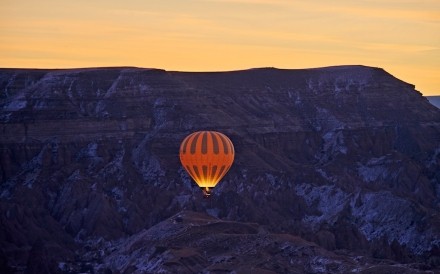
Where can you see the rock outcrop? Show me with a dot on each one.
(344, 159)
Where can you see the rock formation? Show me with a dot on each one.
(340, 162)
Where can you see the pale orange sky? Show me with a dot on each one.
(401, 36)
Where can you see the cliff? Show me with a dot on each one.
(344, 158)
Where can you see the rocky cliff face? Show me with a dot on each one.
(344, 159)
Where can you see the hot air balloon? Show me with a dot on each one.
(207, 157)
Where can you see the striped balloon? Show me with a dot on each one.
(207, 157)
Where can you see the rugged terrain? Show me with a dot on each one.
(435, 100)
(341, 162)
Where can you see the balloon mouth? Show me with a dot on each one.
(206, 192)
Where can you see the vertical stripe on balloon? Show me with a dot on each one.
(214, 142)
(205, 143)
(194, 143)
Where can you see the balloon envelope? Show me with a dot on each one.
(207, 156)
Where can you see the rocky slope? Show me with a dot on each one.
(435, 100)
(191, 242)
(342, 160)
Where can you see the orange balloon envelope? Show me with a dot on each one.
(207, 157)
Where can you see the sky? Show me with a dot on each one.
(401, 36)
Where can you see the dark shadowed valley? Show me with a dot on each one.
(336, 170)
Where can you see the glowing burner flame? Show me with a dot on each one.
(206, 192)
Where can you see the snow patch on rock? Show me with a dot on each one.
(325, 175)
(328, 199)
(377, 169)
(334, 142)
(333, 145)
(115, 167)
(377, 214)
(382, 214)
(15, 105)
